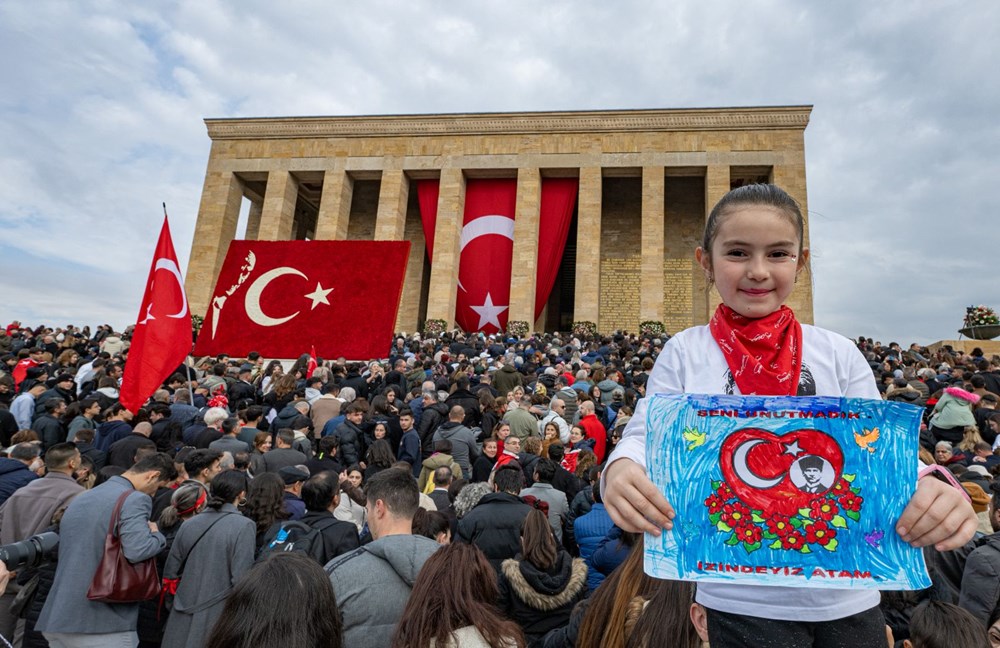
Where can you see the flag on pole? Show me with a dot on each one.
(312, 364)
(162, 337)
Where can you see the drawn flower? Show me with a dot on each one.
(735, 514)
(842, 486)
(749, 533)
(725, 492)
(819, 533)
(779, 525)
(714, 503)
(851, 502)
(822, 509)
(793, 540)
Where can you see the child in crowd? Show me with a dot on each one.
(752, 250)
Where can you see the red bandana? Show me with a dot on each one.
(764, 355)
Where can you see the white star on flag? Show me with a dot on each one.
(488, 313)
(793, 449)
(318, 296)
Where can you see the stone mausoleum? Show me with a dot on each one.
(647, 180)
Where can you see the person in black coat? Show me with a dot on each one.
(321, 494)
(15, 470)
(84, 442)
(434, 414)
(350, 436)
(494, 524)
(469, 402)
(540, 586)
(122, 452)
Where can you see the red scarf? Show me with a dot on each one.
(764, 355)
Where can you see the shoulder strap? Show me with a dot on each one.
(180, 569)
(117, 512)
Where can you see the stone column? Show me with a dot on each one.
(278, 216)
(651, 285)
(716, 186)
(524, 263)
(334, 205)
(447, 247)
(586, 305)
(394, 192)
(792, 178)
(253, 220)
(218, 215)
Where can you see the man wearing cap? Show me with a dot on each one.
(62, 388)
(242, 394)
(294, 477)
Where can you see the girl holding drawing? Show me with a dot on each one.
(753, 251)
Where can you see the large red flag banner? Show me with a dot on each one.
(487, 243)
(281, 297)
(162, 337)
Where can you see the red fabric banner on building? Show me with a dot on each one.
(558, 201)
(487, 245)
(280, 297)
(162, 337)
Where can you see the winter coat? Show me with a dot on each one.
(980, 593)
(99, 458)
(50, 430)
(431, 418)
(278, 458)
(122, 452)
(373, 583)
(469, 403)
(482, 468)
(506, 379)
(952, 412)
(607, 386)
(523, 423)
(153, 617)
(29, 510)
(541, 600)
(432, 463)
(13, 475)
(568, 395)
(463, 444)
(109, 432)
(494, 525)
(589, 530)
(339, 537)
(285, 418)
(351, 441)
(215, 564)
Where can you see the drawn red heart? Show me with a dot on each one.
(757, 466)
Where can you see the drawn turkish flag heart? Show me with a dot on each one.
(780, 474)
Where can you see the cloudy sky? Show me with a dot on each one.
(101, 108)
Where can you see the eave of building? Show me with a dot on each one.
(515, 123)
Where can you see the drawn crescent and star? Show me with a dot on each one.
(748, 476)
(256, 289)
(171, 267)
(489, 313)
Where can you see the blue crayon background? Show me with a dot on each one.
(887, 479)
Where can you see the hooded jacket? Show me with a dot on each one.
(506, 379)
(980, 593)
(109, 432)
(373, 583)
(350, 442)
(541, 600)
(432, 463)
(430, 419)
(463, 444)
(494, 525)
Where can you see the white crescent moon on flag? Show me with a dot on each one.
(500, 225)
(171, 267)
(252, 300)
(743, 471)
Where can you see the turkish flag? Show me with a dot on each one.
(162, 337)
(21, 370)
(487, 246)
(312, 364)
(278, 297)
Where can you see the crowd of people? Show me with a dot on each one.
(468, 490)
(448, 493)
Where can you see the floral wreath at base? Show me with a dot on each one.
(816, 525)
(434, 326)
(980, 316)
(517, 328)
(652, 327)
(196, 322)
(584, 328)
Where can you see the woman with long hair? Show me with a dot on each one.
(282, 393)
(286, 600)
(452, 605)
(261, 444)
(212, 550)
(540, 586)
(269, 375)
(550, 435)
(378, 458)
(265, 505)
(186, 502)
(490, 414)
(352, 497)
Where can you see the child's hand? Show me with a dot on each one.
(633, 502)
(938, 515)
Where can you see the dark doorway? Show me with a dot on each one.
(559, 316)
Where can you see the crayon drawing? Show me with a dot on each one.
(792, 491)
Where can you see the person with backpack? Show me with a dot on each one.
(210, 553)
(318, 534)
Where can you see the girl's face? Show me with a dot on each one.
(595, 392)
(551, 432)
(355, 478)
(390, 396)
(576, 435)
(380, 431)
(264, 447)
(503, 432)
(754, 259)
(490, 448)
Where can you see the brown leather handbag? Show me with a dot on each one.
(117, 580)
